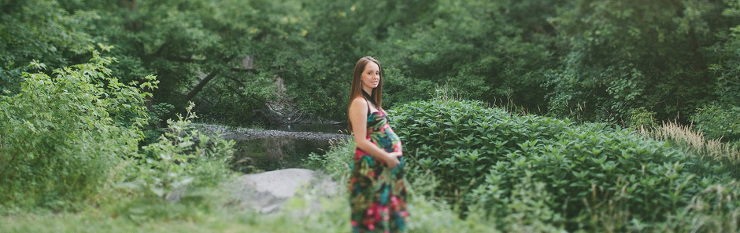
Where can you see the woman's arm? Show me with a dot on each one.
(358, 118)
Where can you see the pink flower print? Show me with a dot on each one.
(359, 153)
(404, 214)
(377, 213)
(394, 203)
(397, 147)
(369, 222)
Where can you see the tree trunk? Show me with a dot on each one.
(200, 86)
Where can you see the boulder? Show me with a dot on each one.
(266, 192)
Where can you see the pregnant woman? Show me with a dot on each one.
(376, 186)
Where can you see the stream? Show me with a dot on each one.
(278, 147)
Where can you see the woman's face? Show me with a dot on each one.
(371, 75)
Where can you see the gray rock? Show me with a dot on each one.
(266, 192)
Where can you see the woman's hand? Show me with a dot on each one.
(392, 159)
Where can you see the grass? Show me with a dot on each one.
(692, 141)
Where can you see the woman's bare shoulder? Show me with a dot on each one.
(358, 104)
(359, 101)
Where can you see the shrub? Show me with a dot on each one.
(588, 172)
(59, 135)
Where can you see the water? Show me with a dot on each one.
(281, 147)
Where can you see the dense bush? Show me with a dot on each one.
(564, 174)
(61, 135)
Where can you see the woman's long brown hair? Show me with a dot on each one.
(356, 88)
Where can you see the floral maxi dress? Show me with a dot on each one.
(377, 193)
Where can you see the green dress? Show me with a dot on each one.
(377, 193)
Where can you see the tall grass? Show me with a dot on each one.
(692, 141)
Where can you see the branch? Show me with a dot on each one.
(200, 86)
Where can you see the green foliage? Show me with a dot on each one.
(718, 123)
(574, 173)
(60, 135)
(181, 167)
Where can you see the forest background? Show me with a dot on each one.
(518, 116)
(263, 62)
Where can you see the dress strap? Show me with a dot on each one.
(369, 99)
(368, 107)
